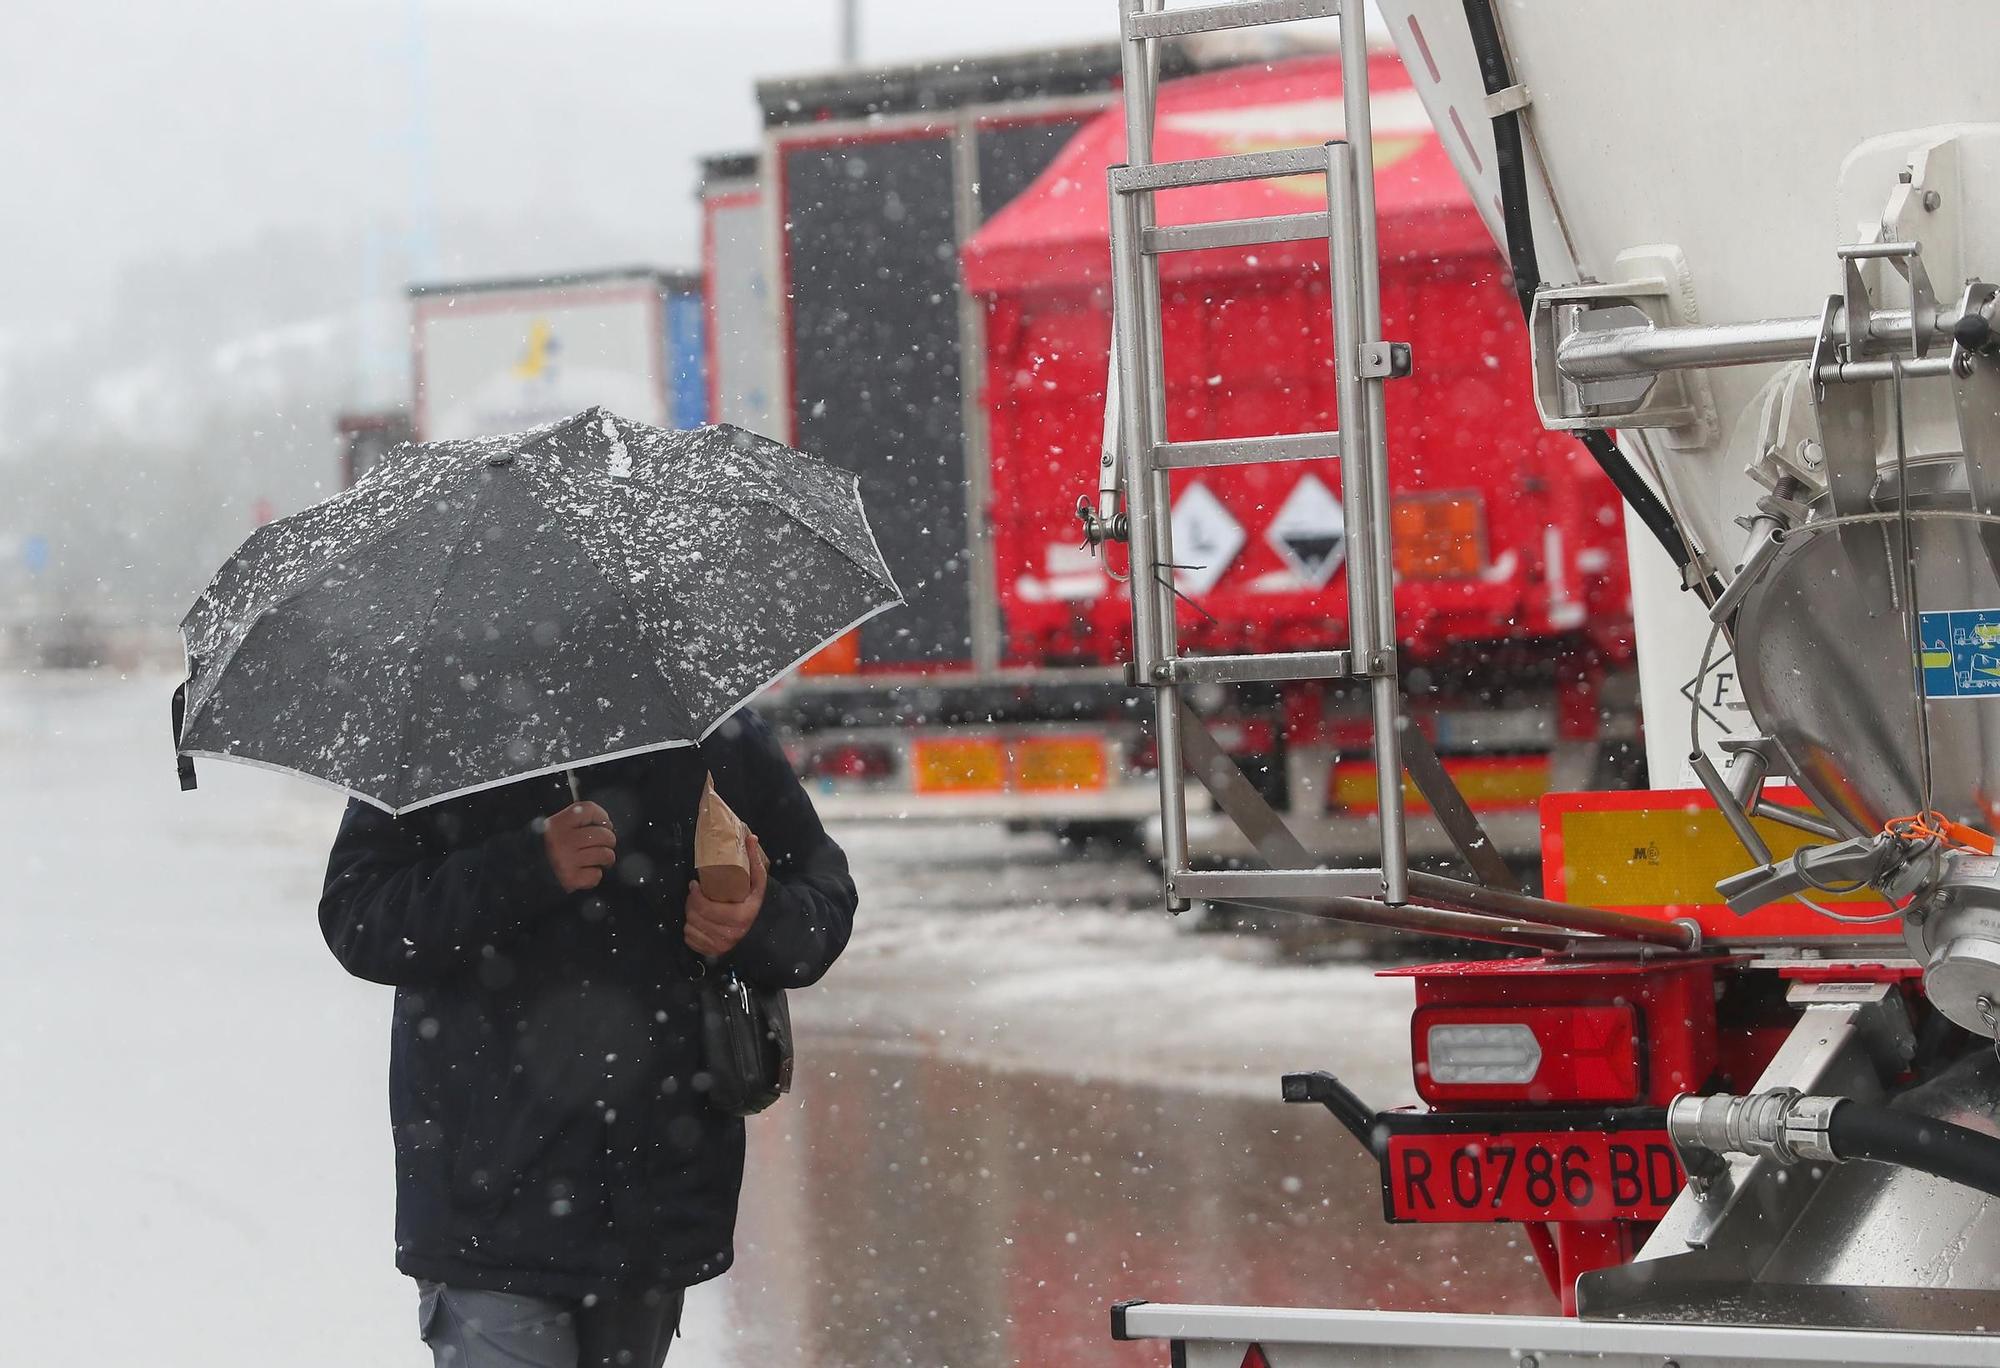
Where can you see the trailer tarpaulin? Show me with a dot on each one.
(1058, 232)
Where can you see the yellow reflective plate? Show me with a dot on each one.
(1065, 763)
(960, 765)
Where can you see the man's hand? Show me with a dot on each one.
(581, 845)
(714, 928)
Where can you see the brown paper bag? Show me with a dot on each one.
(721, 849)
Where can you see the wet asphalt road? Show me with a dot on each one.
(1023, 1094)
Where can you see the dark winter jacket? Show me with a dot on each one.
(551, 1136)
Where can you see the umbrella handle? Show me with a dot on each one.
(575, 789)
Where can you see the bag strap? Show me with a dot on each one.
(182, 761)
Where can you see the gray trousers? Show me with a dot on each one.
(469, 1328)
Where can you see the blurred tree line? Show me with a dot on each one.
(137, 448)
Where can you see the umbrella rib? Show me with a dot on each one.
(643, 628)
(430, 618)
(887, 580)
(337, 502)
(293, 588)
(583, 546)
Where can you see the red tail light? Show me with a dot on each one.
(1534, 1055)
(851, 760)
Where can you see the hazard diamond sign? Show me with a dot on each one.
(1310, 533)
(1206, 539)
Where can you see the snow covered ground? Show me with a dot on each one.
(1021, 1096)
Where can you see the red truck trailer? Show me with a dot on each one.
(1511, 582)
(935, 247)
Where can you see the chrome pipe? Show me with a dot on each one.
(1914, 368)
(1732, 811)
(1621, 353)
(1427, 921)
(1498, 902)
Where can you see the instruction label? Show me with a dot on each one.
(1961, 653)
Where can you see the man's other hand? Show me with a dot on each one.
(714, 928)
(581, 845)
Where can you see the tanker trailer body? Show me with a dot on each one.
(1741, 1088)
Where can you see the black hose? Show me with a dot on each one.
(1510, 165)
(1970, 1158)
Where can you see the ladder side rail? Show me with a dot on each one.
(1160, 582)
(1351, 401)
(1373, 453)
(1143, 391)
(1134, 58)
(1139, 65)
(1149, 536)
(1133, 440)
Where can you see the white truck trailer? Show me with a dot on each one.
(502, 355)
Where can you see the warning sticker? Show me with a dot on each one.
(1206, 539)
(1310, 532)
(1961, 653)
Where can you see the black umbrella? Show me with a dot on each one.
(477, 611)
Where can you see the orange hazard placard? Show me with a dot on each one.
(1659, 852)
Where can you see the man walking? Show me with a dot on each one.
(560, 1178)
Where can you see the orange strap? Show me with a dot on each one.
(1935, 826)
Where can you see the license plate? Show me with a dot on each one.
(1530, 1176)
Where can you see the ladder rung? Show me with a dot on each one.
(1241, 669)
(1179, 175)
(1177, 23)
(1193, 237)
(1292, 446)
(1222, 885)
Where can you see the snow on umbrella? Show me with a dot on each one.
(477, 611)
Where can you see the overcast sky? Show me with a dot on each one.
(129, 129)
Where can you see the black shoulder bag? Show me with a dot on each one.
(746, 1041)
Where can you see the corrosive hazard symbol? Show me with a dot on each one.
(1310, 532)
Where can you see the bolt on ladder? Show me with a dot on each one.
(1139, 454)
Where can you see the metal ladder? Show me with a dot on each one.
(1139, 459)
(1139, 455)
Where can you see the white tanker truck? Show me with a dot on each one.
(1739, 1079)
